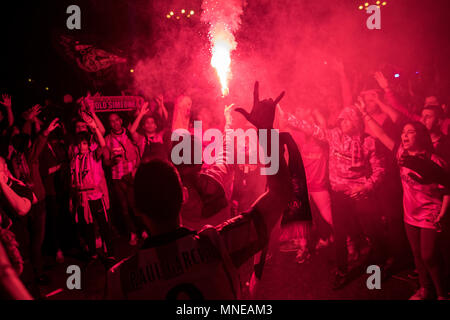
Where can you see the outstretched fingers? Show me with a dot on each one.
(277, 100)
(243, 112)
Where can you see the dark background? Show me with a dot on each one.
(414, 36)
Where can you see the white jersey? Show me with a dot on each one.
(198, 270)
(187, 265)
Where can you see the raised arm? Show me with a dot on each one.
(377, 131)
(181, 113)
(346, 92)
(392, 100)
(101, 140)
(161, 109)
(31, 118)
(133, 129)
(308, 128)
(391, 112)
(8, 105)
(41, 141)
(273, 202)
(89, 104)
(248, 233)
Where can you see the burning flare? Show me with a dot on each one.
(222, 45)
(224, 19)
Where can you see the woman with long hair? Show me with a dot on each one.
(425, 202)
(425, 205)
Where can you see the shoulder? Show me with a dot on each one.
(335, 133)
(139, 137)
(208, 231)
(108, 137)
(439, 161)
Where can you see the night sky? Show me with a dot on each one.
(413, 33)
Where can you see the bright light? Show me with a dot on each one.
(222, 25)
(29, 80)
(397, 75)
(171, 13)
(178, 18)
(366, 4)
(360, 7)
(168, 16)
(46, 88)
(131, 70)
(188, 16)
(384, 3)
(221, 61)
(183, 11)
(378, 2)
(191, 12)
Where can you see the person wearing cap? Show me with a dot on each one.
(355, 170)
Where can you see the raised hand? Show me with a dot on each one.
(89, 104)
(144, 109)
(89, 120)
(381, 79)
(227, 113)
(159, 99)
(361, 105)
(6, 101)
(53, 125)
(263, 112)
(86, 103)
(32, 113)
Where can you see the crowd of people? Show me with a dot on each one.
(366, 177)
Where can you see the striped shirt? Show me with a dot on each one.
(122, 148)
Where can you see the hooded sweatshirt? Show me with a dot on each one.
(353, 160)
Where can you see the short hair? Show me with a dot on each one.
(158, 190)
(437, 110)
(83, 136)
(156, 118)
(114, 114)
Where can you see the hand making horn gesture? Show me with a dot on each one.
(263, 112)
